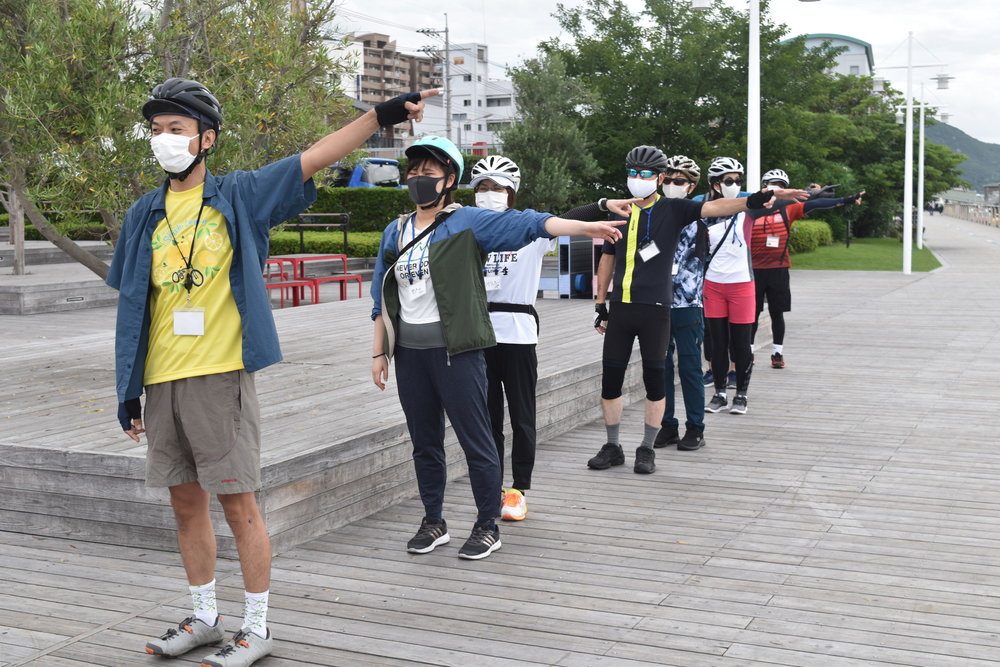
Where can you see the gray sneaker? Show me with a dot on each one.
(189, 634)
(244, 649)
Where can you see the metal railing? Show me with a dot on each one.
(982, 213)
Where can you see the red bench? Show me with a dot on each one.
(342, 279)
(298, 290)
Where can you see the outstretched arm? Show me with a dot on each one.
(595, 230)
(718, 208)
(336, 145)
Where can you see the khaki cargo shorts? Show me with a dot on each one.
(204, 429)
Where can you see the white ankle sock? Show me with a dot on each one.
(203, 599)
(255, 613)
(777, 349)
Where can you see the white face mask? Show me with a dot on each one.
(171, 151)
(671, 191)
(773, 187)
(730, 191)
(640, 187)
(493, 201)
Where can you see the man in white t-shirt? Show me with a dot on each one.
(511, 280)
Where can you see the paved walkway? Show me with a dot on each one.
(851, 518)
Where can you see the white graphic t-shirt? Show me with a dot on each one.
(731, 263)
(417, 304)
(512, 277)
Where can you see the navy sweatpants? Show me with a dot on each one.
(686, 327)
(431, 385)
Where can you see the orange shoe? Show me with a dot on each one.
(515, 507)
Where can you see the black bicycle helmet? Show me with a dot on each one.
(182, 96)
(646, 157)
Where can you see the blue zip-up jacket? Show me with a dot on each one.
(458, 250)
(251, 202)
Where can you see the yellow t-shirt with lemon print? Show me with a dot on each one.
(220, 350)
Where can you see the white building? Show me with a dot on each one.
(856, 59)
(481, 106)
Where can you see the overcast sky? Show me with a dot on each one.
(961, 33)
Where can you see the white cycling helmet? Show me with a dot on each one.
(775, 175)
(724, 165)
(499, 169)
(685, 165)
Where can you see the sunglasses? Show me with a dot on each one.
(733, 181)
(641, 173)
(677, 181)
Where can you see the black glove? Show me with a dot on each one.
(602, 314)
(394, 111)
(824, 193)
(127, 411)
(758, 199)
(851, 200)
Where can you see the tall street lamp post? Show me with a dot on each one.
(753, 90)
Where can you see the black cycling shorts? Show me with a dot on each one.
(776, 286)
(628, 321)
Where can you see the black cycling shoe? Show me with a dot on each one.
(667, 437)
(691, 441)
(610, 455)
(645, 461)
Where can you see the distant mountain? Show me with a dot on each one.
(983, 164)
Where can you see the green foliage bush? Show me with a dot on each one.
(359, 244)
(4, 219)
(73, 230)
(807, 235)
(371, 209)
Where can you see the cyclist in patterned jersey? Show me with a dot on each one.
(687, 323)
(641, 264)
(769, 252)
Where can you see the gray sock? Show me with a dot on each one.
(648, 435)
(612, 430)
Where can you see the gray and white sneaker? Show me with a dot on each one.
(739, 405)
(717, 404)
(244, 649)
(189, 634)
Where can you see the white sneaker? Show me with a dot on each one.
(515, 507)
(244, 649)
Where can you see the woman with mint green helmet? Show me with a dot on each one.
(430, 313)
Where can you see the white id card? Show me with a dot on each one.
(492, 282)
(772, 241)
(649, 252)
(677, 267)
(418, 288)
(189, 321)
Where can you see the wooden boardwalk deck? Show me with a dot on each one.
(851, 518)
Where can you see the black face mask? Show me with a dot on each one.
(423, 190)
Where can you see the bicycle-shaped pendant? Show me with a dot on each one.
(190, 277)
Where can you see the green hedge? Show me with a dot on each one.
(4, 219)
(77, 231)
(807, 235)
(359, 244)
(371, 209)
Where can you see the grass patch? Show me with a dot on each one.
(864, 255)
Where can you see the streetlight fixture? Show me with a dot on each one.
(753, 88)
(447, 71)
(942, 80)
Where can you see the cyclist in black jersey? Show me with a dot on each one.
(641, 264)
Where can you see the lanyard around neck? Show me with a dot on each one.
(191, 277)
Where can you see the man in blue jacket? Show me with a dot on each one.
(194, 324)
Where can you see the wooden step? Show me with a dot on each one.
(43, 252)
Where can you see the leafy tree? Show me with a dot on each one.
(548, 144)
(76, 73)
(676, 79)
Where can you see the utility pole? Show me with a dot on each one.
(447, 70)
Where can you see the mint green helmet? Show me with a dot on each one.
(441, 149)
